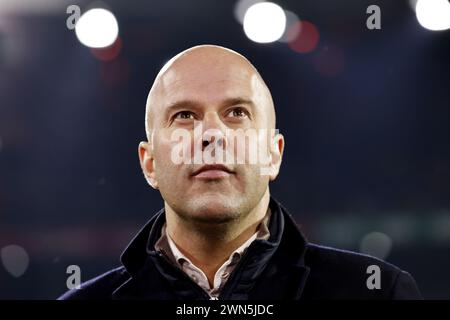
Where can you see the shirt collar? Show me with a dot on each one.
(167, 246)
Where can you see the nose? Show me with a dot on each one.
(213, 131)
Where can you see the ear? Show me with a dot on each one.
(147, 161)
(276, 155)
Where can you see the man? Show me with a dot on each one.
(220, 234)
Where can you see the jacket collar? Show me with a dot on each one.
(135, 254)
(283, 233)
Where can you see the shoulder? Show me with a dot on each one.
(100, 287)
(338, 273)
(318, 255)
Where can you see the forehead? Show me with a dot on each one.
(208, 82)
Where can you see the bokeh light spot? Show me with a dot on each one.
(376, 244)
(433, 14)
(264, 22)
(307, 38)
(15, 260)
(97, 28)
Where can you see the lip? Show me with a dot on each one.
(215, 171)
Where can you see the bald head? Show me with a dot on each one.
(207, 73)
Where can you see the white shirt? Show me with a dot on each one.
(170, 249)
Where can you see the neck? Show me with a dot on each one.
(208, 246)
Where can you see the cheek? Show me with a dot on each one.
(249, 177)
(162, 152)
(256, 150)
(264, 143)
(249, 183)
(244, 147)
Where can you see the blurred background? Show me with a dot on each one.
(365, 113)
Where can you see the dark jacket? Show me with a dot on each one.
(283, 267)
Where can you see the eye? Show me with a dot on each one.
(184, 115)
(238, 112)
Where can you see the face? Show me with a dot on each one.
(200, 95)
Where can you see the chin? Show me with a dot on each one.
(214, 209)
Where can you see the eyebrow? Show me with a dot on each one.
(192, 104)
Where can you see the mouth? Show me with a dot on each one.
(212, 171)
